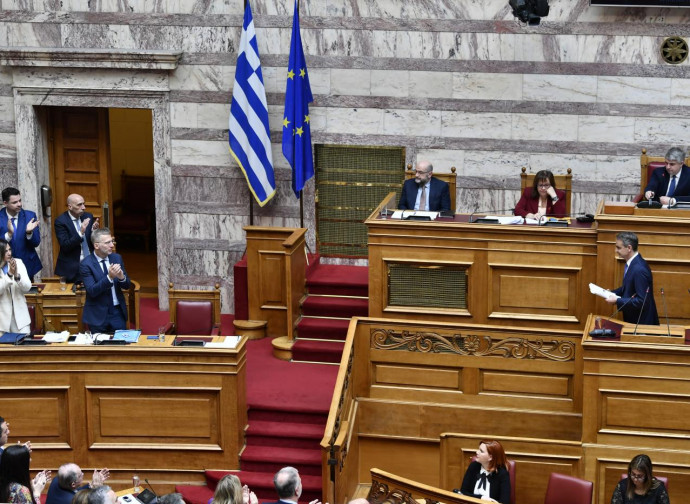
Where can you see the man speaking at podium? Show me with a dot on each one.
(425, 192)
(635, 298)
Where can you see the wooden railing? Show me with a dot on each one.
(389, 488)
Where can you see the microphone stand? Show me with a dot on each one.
(668, 324)
(641, 310)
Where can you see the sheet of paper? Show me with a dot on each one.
(228, 342)
(403, 214)
(56, 337)
(600, 291)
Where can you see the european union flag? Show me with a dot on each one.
(250, 139)
(296, 129)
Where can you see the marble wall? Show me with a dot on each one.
(460, 83)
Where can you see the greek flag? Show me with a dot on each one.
(250, 139)
(296, 127)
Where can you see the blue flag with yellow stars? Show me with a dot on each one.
(296, 128)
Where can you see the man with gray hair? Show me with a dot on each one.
(102, 495)
(70, 479)
(671, 183)
(288, 484)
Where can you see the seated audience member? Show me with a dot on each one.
(542, 198)
(670, 184)
(230, 491)
(14, 284)
(70, 479)
(82, 496)
(487, 477)
(640, 486)
(16, 485)
(102, 495)
(171, 498)
(288, 484)
(425, 192)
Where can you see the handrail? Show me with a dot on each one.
(388, 487)
(384, 203)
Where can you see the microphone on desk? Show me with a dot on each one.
(149, 485)
(668, 324)
(646, 293)
(609, 333)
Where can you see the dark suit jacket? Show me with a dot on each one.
(438, 197)
(636, 281)
(499, 480)
(23, 248)
(98, 294)
(58, 495)
(528, 204)
(70, 245)
(660, 180)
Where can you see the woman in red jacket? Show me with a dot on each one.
(542, 198)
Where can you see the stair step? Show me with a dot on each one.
(317, 351)
(272, 459)
(335, 306)
(194, 494)
(323, 328)
(284, 434)
(338, 279)
(265, 413)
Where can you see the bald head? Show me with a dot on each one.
(288, 483)
(70, 476)
(75, 205)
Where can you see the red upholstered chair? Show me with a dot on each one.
(511, 474)
(194, 312)
(564, 489)
(663, 479)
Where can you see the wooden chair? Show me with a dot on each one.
(194, 312)
(564, 489)
(647, 165)
(563, 182)
(449, 178)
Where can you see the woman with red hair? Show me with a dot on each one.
(487, 476)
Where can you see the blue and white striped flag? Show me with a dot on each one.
(250, 138)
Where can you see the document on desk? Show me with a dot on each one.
(128, 335)
(600, 291)
(56, 337)
(228, 342)
(406, 214)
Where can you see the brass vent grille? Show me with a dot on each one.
(350, 182)
(427, 286)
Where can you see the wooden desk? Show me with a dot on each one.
(166, 412)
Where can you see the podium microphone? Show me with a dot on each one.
(149, 485)
(615, 312)
(646, 293)
(668, 325)
(609, 333)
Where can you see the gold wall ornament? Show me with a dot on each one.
(674, 50)
(472, 344)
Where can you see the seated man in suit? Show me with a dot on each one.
(288, 484)
(425, 192)
(104, 277)
(20, 228)
(73, 231)
(670, 184)
(636, 296)
(70, 479)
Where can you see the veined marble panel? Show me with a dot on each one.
(544, 127)
(487, 86)
(33, 34)
(183, 115)
(680, 92)
(476, 125)
(350, 82)
(606, 129)
(584, 166)
(624, 169)
(197, 152)
(213, 115)
(431, 85)
(83, 78)
(500, 165)
(7, 108)
(149, 6)
(561, 88)
(634, 90)
(412, 122)
(4, 39)
(203, 78)
(393, 83)
(231, 189)
(363, 121)
(5, 74)
(214, 227)
(8, 145)
(319, 80)
(443, 160)
(667, 130)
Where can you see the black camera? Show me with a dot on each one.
(530, 11)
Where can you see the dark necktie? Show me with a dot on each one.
(14, 226)
(482, 481)
(625, 270)
(422, 199)
(672, 187)
(103, 266)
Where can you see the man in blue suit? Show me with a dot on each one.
(635, 298)
(425, 192)
(104, 277)
(670, 184)
(73, 231)
(20, 228)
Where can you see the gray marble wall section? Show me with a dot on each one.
(460, 83)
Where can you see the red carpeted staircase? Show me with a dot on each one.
(335, 294)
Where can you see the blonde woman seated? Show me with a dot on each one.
(640, 487)
(542, 198)
(230, 491)
(14, 284)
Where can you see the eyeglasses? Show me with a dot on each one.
(544, 186)
(637, 477)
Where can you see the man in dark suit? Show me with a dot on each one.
(670, 184)
(288, 484)
(73, 231)
(20, 228)
(636, 296)
(104, 277)
(425, 192)
(70, 479)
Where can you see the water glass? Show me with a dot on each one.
(63, 283)
(161, 334)
(135, 483)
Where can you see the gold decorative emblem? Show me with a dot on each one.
(674, 50)
(472, 344)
